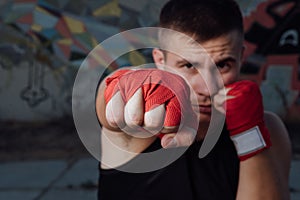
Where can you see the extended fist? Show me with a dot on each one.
(151, 101)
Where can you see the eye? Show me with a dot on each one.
(188, 65)
(223, 66)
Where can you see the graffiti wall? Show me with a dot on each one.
(43, 43)
(273, 53)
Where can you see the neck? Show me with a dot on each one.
(202, 130)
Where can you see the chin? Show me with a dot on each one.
(204, 117)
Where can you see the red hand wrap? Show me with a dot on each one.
(243, 112)
(158, 87)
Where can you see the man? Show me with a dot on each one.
(217, 26)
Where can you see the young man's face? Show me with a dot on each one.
(206, 72)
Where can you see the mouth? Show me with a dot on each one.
(204, 109)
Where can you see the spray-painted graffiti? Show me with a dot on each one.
(272, 54)
(9, 51)
(67, 32)
(35, 93)
(34, 85)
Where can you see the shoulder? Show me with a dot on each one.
(281, 145)
(271, 117)
(278, 131)
(276, 127)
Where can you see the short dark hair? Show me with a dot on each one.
(204, 19)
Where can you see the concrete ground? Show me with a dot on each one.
(63, 170)
(48, 180)
(76, 180)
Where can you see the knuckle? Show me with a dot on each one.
(153, 125)
(154, 119)
(119, 122)
(115, 121)
(133, 120)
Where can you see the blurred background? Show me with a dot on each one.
(44, 42)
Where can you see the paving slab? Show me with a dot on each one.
(295, 180)
(83, 173)
(295, 175)
(33, 174)
(24, 180)
(59, 194)
(18, 195)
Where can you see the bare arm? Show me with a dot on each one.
(265, 176)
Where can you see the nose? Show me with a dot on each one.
(206, 83)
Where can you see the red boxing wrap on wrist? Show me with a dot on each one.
(159, 87)
(245, 119)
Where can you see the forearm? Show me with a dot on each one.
(118, 148)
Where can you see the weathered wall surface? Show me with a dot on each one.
(273, 55)
(43, 43)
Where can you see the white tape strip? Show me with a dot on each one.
(248, 141)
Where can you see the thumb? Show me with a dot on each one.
(184, 137)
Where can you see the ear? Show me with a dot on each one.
(159, 58)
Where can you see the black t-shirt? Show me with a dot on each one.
(189, 177)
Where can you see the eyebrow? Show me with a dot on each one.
(228, 59)
(183, 61)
